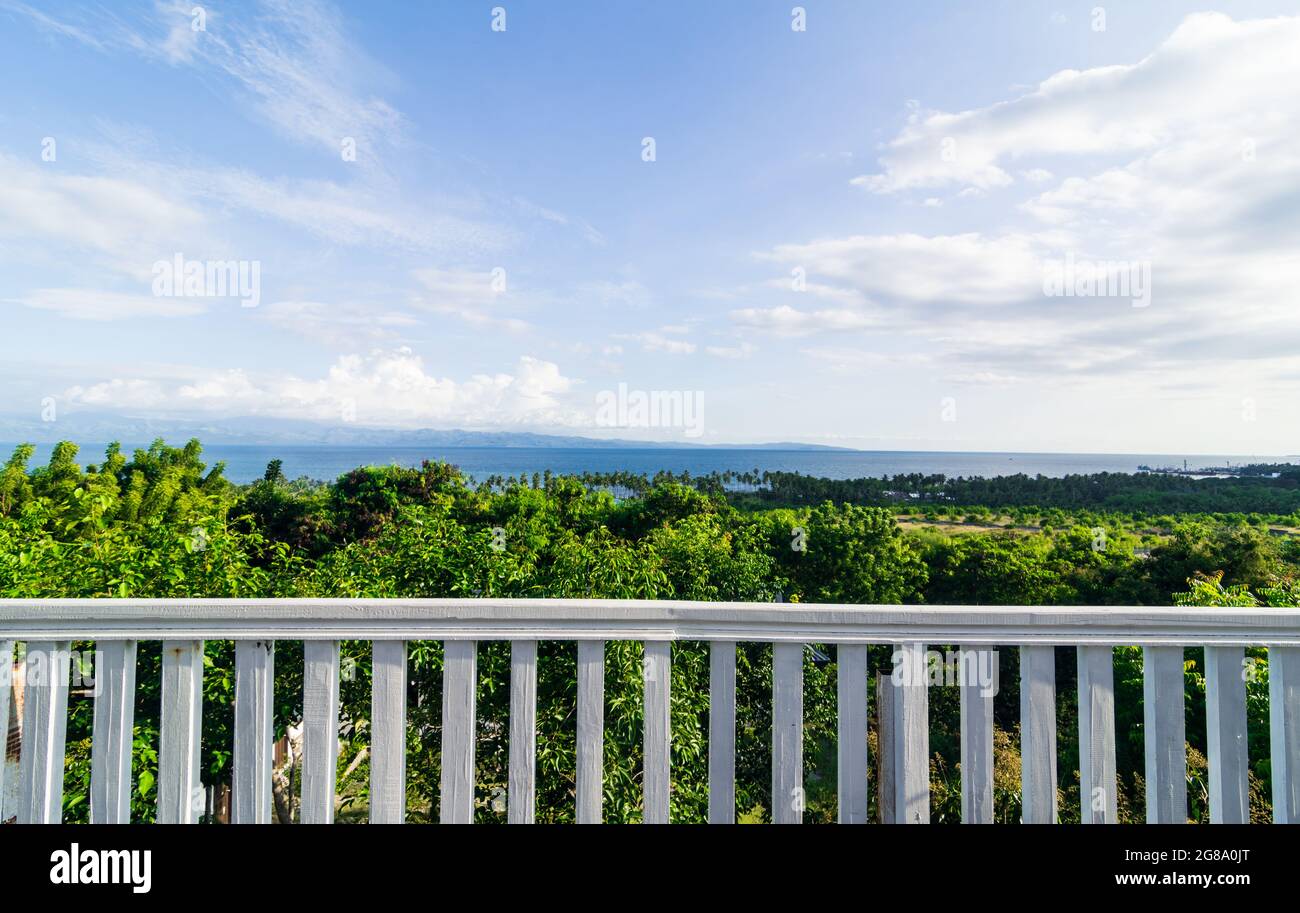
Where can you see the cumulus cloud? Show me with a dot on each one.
(389, 388)
(1200, 194)
(1235, 71)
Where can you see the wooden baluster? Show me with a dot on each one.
(45, 721)
(911, 736)
(254, 731)
(591, 730)
(978, 674)
(113, 735)
(1165, 735)
(320, 736)
(851, 661)
(180, 790)
(1225, 725)
(459, 684)
(1284, 731)
(722, 732)
(1097, 782)
(6, 689)
(787, 733)
(388, 732)
(1038, 734)
(521, 798)
(657, 734)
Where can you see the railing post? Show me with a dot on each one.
(977, 735)
(722, 732)
(1225, 725)
(851, 662)
(787, 733)
(320, 735)
(388, 732)
(591, 730)
(886, 727)
(254, 728)
(6, 689)
(911, 735)
(113, 735)
(1038, 735)
(1284, 730)
(45, 721)
(657, 732)
(521, 795)
(180, 792)
(1097, 783)
(459, 684)
(1165, 735)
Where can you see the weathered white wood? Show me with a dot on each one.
(591, 731)
(657, 732)
(1284, 730)
(722, 732)
(320, 737)
(459, 684)
(787, 734)
(521, 797)
(1165, 735)
(254, 727)
(623, 619)
(45, 721)
(1038, 735)
(1225, 725)
(6, 689)
(886, 782)
(1097, 783)
(911, 735)
(388, 732)
(976, 735)
(180, 791)
(851, 682)
(113, 734)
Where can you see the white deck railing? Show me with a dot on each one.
(50, 626)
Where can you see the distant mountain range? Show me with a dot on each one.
(97, 428)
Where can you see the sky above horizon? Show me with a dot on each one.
(863, 224)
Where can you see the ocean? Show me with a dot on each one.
(246, 463)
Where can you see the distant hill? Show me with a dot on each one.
(95, 428)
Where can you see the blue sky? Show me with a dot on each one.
(842, 237)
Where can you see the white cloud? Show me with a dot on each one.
(784, 320)
(292, 57)
(744, 350)
(1202, 193)
(336, 325)
(1234, 71)
(657, 341)
(468, 295)
(967, 268)
(128, 223)
(93, 304)
(389, 388)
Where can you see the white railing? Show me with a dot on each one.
(50, 626)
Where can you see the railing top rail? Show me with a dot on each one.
(623, 619)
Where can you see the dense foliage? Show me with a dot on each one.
(162, 524)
